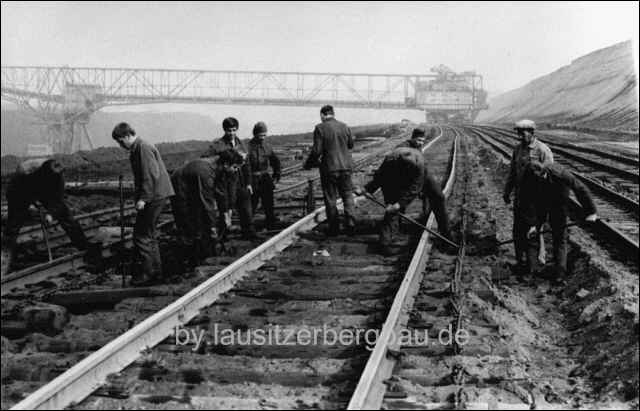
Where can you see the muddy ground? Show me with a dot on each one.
(576, 345)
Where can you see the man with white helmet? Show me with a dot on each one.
(529, 149)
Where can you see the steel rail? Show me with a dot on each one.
(82, 379)
(370, 390)
(86, 376)
(601, 227)
(627, 175)
(588, 150)
(625, 201)
(43, 271)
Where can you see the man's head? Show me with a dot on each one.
(230, 126)
(260, 130)
(536, 169)
(326, 113)
(525, 130)
(124, 135)
(418, 137)
(230, 160)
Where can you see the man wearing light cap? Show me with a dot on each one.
(261, 155)
(238, 183)
(529, 149)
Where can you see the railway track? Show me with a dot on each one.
(462, 367)
(618, 214)
(296, 280)
(617, 172)
(289, 196)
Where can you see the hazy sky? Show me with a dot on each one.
(509, 44)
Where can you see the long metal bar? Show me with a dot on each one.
(86, 376)
(370, 389)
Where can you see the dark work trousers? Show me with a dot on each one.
(390, 227)
(432, 196)
(18, 213)
(194, 224)
(526, 248)
(146, 249)
(334, 183)
(560, 235)
(263, 192)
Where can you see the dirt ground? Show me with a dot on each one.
(577, 344)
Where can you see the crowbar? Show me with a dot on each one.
(411, 220)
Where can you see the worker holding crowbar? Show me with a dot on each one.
(403, 176)
(545, 194)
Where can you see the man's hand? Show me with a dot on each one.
(48, 219)
(227, 218)
(393, 208)
(592, 218)
(532, 232)
(358, 191)
(140, 205)
(214, 232)
(506, 198)
(250, 189)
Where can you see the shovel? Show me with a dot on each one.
(411, 220)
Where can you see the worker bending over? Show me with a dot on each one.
(403, 176)
(198, 185)
(152, 189)
(37, 182)
(545, 197)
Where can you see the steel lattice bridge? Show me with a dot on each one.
(63, 98)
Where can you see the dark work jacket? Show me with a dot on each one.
(239, 179)
(547, 198)
(332, 144)
(261, 155)
(198, 181)
(522, 155)
(150, 176)
(41, 184)
(401, 176)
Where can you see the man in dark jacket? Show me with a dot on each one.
(238, 182)
(403, 176)
(261, 155)
(545, 196)
(332, 144)
(152, 188)
(198, 186)
(37, 181)
(529, 149)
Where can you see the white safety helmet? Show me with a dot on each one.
(524, 125)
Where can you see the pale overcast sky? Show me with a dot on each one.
(509, 43)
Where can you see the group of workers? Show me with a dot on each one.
(231, 175)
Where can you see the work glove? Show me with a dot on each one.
(393, 208)
(359, 191)
(532, 232)
(250, 189)
(507, 198)
(48, 219)
(140, 205)
(592, 218)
